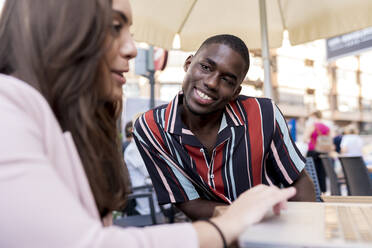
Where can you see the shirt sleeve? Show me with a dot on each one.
(285, 158)
(39, 210)
(171, 183)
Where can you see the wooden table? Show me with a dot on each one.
(347, 199)
(302, 225)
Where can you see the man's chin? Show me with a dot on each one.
(195, 112)
(200, 112)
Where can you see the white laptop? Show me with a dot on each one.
(306, 224)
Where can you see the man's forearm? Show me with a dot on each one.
(198, 208)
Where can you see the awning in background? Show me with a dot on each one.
(157, 21)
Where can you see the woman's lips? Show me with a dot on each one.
(119, 77)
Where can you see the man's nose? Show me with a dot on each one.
(212, 82)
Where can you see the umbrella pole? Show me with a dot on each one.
(151, 77)
(268, 92)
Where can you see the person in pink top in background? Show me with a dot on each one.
(315, 128)
(62, 66)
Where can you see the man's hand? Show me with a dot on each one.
(199, 208)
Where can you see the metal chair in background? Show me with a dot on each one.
(310, 169)
(356, 174)
(141, 220)
(331, 174)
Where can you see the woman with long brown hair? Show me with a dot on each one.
(62, 66)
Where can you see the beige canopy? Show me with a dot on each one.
(157, 21)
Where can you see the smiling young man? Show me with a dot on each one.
(210, 144)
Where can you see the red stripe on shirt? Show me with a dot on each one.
(217, 170)
(167, 115)
(201, 164)
(149, 116)
(255, 138)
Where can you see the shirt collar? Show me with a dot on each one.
(232, 117)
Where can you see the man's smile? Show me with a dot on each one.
(202, 98)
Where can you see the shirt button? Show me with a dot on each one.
(201, 149)
(212, 176)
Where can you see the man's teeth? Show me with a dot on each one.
(203, 96)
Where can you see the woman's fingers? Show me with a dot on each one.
(282, 198)
(287, 193)
(279, 207)
(251, 207)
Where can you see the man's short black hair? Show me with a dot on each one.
(234, 42)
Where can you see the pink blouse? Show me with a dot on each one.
(45, 196)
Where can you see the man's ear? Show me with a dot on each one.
(187, 63)
(237, 92)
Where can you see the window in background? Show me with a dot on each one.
(347, 90)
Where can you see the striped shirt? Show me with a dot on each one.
(253, 147)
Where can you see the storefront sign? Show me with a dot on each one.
(349, 44)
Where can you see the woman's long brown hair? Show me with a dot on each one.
(58, 46)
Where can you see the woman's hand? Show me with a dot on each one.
(251, 207)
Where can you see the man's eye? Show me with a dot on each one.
(230, 82)
(205, 67)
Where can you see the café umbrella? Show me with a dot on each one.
(260, 23)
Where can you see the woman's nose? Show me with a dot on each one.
(128, 49)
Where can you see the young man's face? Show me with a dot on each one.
(213, 78)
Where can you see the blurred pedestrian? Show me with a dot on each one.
(138, 174)
(337, 139)
(352, 143)
(318, 136)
